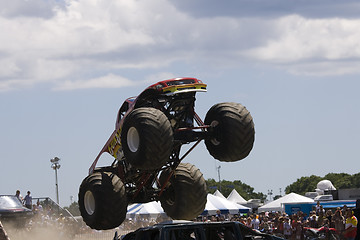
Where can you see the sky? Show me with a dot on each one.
(67, 66)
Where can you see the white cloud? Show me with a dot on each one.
(89, 37)
(301, 39)
(29, 8)
(159, 77)
(330, 68)
(319, 47)
(108, 81)
(8, 67)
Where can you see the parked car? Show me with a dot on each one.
(176, 230)
(12, 210)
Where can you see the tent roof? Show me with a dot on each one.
(224, 205)
(277, 205)
(213, 204)
(218, 194)
(234, 196)
(210, 208)
(151, 208)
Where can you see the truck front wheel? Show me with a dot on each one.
(147, 138)
(102, 201)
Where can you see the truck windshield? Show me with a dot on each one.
(180, 82)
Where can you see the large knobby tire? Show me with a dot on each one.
(232, 134)
(102, 201)
(185, 195)
(147, 138)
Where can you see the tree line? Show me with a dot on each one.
(300, 186)
(225, 187)
(309, 184)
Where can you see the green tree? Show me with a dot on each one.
(73, 209)
(356, 180)
(277, 197)
(303, 185)
(246, 191)
(339, 180)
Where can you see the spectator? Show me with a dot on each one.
(313, 220)
(287, 228)
(338, 220)
(297, 228)
(357, 215)
(248, 222)
(265, 225)
(38, 207)
(255, 223)
(317, 207)
(28, 200)
(303, 217)
(328, 216)
(320, 218)
(344, 209)
(280, 225)
(18, 195)
(350, 225)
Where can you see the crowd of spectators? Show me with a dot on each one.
(294, 226)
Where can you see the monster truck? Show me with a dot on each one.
(149, 132)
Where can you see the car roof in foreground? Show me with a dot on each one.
(10, 202)
(188, 224)
(179, 223)
(13, 204)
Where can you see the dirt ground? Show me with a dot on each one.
(40, 233)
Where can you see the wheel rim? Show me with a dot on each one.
(133, 139)
(214, 141)
(89, 202)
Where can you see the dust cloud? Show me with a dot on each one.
(37, 233)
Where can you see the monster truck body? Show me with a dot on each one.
(174, 97)
(149, 132)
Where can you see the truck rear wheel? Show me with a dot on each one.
(185, 195)
(147, 138)
(232, 133)
(102, 201)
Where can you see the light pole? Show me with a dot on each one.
(270, 192)
(218, 169)
(55, 165)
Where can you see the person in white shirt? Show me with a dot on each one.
(255, 223)
(28, 200)
(287, 228)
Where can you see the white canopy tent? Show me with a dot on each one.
(224, 205)
(213, 204)
(150, 209)
(235, 197)
(278, 204)
(219, 194)
(210, 208)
